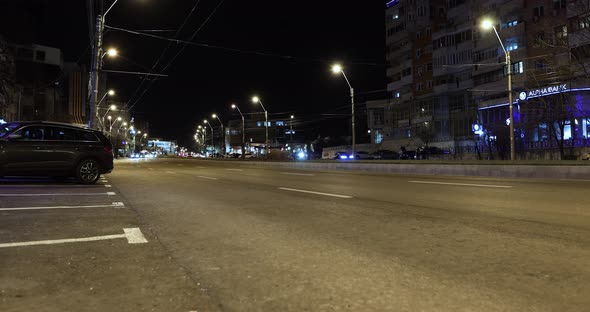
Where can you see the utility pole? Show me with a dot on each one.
(96, 60)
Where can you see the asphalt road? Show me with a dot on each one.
(225, 236)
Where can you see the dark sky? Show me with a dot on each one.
(310, 35)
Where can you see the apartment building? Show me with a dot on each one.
(449, 84)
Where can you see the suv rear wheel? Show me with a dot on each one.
(88, 171)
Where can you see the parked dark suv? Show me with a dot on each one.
(41, 148)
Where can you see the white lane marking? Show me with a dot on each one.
(234, 169)
(312, 192)
(210, 178)
(299, 174)
(150, 168)
(113, 205)
(462, 184)
(59, 194)
(171, 172)
(133, 236)
(201, 167)
(181, 165)
(107, 185)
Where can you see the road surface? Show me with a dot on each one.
(226, 236)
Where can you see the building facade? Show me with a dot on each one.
(449, 84)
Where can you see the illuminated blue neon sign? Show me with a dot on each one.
(543, 91)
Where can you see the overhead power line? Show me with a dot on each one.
(161, 55)
(181, 50)
(240, 51)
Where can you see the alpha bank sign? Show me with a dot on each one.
(525, 95)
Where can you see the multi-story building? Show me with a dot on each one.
(449, 82)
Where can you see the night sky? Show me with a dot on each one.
(296, 42)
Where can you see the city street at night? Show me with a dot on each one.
(228, 236)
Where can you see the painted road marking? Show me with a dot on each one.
(210, 178)
(150, 168)
(234, 169)
(59, 194)
(462, 184)
(133, 236)
(299, 174)
(171, 172)
(201, 167)
(113, 205)
(181, 165)
(107, 185)
(312, 192)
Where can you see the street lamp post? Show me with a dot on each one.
(98, 120)
(243, 131)
(212, 134)
(256, 99)
(111, 125)
(291, 131)
(112, 107)
(337, 69)
(134, 145)
(222, 145)
(487, 24)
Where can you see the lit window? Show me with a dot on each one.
(397, 94)
(512, 46)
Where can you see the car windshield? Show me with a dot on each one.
(7, 128)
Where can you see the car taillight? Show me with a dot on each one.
(108, 149)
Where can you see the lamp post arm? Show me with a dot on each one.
(346, 78)
(102, 99)
(264, 109)
(109, 9)
(501, 43)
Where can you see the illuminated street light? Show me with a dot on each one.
(112, 107)
(222, 146)
(234, 106)
(112, 52)
(255, 100)
(487, 24)
(212, 136)
(291, 131)
(337, 69)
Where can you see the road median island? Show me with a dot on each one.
(576, 170)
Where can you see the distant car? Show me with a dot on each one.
(343, 156)
(385, 154)
(363, 155)
(42, 148)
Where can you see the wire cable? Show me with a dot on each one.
(163, 52)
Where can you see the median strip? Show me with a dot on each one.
(462, 184)
(133, 236)
(312, 192)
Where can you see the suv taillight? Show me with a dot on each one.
(108, 149)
